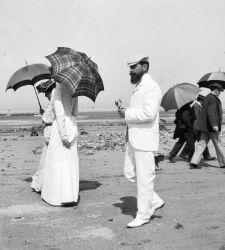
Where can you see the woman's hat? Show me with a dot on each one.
(45, 86)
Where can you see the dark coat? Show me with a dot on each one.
(210, 115)
(185, 117)
(197, 108)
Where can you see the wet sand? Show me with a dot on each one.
(193, 217)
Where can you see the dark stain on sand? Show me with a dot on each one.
(89, 185)
(179, 226)
(29, 179)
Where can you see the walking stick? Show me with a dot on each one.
(41, 110)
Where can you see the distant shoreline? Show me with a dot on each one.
(87, 111)
(27, 120)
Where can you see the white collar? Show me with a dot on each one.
(199, 104)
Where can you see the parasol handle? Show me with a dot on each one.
(41, 110)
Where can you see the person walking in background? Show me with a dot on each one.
(142, 118)
(185, 117)
(197, 106)
(61, 167)
(209, 123)
(47, 118)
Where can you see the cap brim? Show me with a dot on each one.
(131, 64)
(134, 63)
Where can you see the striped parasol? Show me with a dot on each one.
(179, 95)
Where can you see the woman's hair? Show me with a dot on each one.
(46, 86)
(50, 88)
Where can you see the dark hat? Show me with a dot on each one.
(217, 86)
(44, 86)
(137, 59)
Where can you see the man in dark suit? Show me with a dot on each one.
(185, 117)
(197, 106)
(209, 123)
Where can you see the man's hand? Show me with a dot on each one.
(216, 129)
(119, 104)
(121, 112)
(66, 143)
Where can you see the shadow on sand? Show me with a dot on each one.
(207, 165)
(84, 184)
(128, 206)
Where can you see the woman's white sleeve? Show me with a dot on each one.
(60, 114)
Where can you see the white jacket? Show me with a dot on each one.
(142, 116)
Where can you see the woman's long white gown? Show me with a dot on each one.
(61, 168)
(47, 117)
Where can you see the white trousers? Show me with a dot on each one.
(140, 166)
(203, 142)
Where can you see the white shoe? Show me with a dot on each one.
(158, 205)
(137, 223)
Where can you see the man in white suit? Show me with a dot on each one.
(142, 118)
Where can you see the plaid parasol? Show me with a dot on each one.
(77, 71)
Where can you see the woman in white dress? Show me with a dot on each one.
(61, 168)
(47, 118)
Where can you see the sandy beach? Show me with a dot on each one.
(193, 217)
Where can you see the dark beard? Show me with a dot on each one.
(135, 78)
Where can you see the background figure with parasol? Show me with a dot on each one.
(47, 118)
(180, 97)
(185, 117)
(29, 75)
(209, 122)
(185, 153)
(75, 75)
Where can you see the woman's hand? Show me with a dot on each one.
(66, 143)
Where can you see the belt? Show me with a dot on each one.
(48, 124)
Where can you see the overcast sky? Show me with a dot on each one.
(184, 40)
